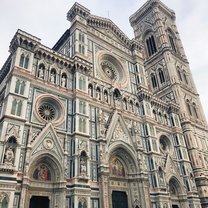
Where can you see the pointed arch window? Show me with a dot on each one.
(125, 106)
(185, 77)
(82, 83)
(179, 74)
(195, 110)
(16, 107)
(188, 107)
(161, 76)
(151, 45)
(82, 125)
(154, 81)
(172, 43)
(20, 87)
(24, 61)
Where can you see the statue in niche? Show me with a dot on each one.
(106, 97)
(53, 77)
(83, 168)
(41, 72)
(102, 121)
(9, 156)
(42, 173)
(63, 81)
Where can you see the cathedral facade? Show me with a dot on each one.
(102, 121)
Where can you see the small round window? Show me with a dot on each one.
(49, 109)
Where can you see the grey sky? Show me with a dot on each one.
(46, 19)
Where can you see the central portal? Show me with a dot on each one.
(119, 199)
(39, 201)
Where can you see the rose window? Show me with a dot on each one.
(109, 70)
(47, 111)
(49, 108)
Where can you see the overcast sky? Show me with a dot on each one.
(46, 19)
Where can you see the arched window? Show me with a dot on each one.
(131, 106)
(195, 110)
(24, 61)
(82, 83)
(22, 58)
(82, 107)
(19, 108)
(188, 107)
(160, 117)
(151, 45)
(82, 204)
(137, 108)
(82, 125)
(154, 81)
(19, 87)
(172, 43)
(125, 106)
(179, 74)
(154, 181)
(166, 119)
(4, 203)
(185, 77)
(161, 76)
(16, 107)
(155, 115)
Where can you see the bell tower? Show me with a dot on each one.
(170, 79)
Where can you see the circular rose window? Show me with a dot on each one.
(111, 68)
(49, 109)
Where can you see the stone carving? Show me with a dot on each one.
(119, 134)
(48, 143)
(9, 156)
(13, 130)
